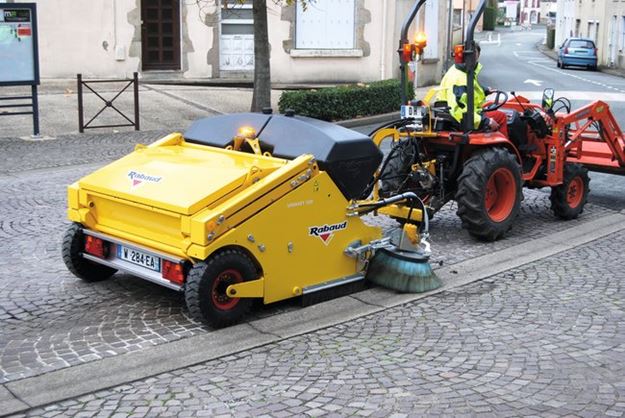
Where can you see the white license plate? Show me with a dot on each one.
(139, 258)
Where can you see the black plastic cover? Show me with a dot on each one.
(349, 157)
(517, 127)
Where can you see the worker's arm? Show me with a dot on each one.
(457, 102)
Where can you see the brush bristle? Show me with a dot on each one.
(392, 271)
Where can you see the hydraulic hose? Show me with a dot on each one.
(398, 198)
(391, 123)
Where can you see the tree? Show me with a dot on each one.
(262, 72)
(261, 97)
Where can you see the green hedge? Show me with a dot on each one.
(344, 102)
(490, 18)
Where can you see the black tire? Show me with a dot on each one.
(205, 289)
(488, 216)
(73, 244)
(558, 64)
(395, 179)
(568, 199)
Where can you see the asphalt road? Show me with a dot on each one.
(516, 65)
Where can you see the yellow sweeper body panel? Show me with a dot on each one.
(189, 201)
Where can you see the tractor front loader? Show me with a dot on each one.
(441, 159)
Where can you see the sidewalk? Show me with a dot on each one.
(544, 339)
(163, 107)
(527, 330)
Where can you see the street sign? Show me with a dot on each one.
(512, 7)
(19, 55)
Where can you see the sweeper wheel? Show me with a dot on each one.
(489, 193)
(568, 199)
(205, 289)
(73, 245)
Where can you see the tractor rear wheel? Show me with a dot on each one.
(569, 198)
(73, 246)
(205, 289)
(489, 193)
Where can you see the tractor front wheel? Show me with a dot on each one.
(205, 289)
(489, 193)
(73, 246)
(569, 198)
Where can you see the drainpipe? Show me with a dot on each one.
(464, 17)
(114, 26)
(449, 33)
(384, 23)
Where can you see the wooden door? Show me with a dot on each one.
(160, 34)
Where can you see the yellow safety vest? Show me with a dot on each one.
(453, 90)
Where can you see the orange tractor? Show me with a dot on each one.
(439, 159)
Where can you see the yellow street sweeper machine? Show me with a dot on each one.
(242, 207)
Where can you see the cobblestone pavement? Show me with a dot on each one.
(50, 320)
(18, 155)
(546, 339)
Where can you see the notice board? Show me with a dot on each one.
(19, 55)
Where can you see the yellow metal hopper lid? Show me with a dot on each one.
(180, 178)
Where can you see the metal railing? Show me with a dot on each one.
(7, 102)
(108, 103)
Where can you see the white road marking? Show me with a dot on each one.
(540, 63)
(537, 83)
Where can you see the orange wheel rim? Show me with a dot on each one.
(575, 192)
(221, 300)
(500, 195)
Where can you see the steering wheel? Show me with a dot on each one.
(498, 102)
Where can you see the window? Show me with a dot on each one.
(580, 43)
(621, 45)
(237, 37)
(457, 19)
(593, 30)
(325, 24)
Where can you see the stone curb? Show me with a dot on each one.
(21, 395)
(545, 51)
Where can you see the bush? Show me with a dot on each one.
(490, 18)
(344, 102)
